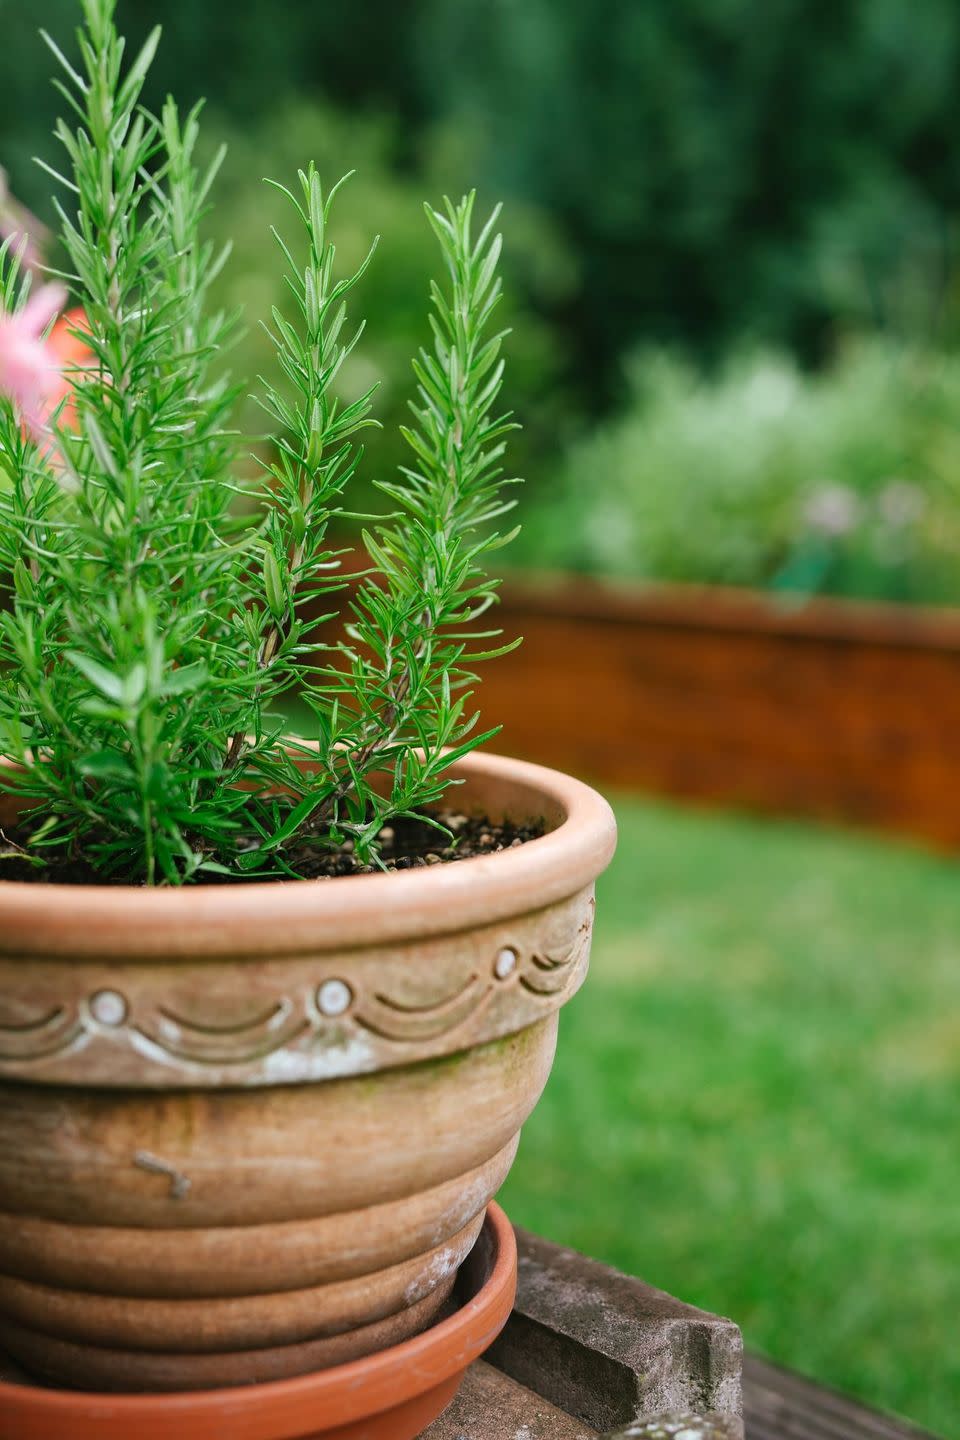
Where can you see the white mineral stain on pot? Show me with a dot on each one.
(108, 1007)
(152, 1050)
(280, 1015)
(505, 963)
(441, 1265)
(356, 1056)
(334, 997)
(471, 1200)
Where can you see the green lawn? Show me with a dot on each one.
(756, 1100)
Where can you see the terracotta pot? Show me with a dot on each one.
(249, 1131)
(390, 1396)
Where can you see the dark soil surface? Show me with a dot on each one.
(405, 844)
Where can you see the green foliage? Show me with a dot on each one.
(151, 631)
(401, 705)
(842, 482)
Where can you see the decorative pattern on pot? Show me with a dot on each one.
(297, 1019)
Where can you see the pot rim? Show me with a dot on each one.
(359, 1390)
(254, 919)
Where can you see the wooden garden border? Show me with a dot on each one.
(838, 710)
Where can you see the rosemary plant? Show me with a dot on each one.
(151, 631)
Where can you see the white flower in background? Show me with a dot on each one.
(770, 390)
(833, 510)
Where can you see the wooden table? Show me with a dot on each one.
(778, 1405)
(588, 1349)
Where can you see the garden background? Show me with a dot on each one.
(731, 252)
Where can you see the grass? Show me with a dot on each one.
(756, 1099)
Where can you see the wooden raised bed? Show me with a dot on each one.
(835, 710)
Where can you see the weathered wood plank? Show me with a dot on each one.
(780, 1405)
(605, 1348)
(491, 1406)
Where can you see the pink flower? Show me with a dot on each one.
(29, 372)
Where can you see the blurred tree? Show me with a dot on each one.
(721, 169)
(236, 53)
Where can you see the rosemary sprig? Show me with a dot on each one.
(152, 632)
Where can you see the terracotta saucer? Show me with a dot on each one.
(393, 1395)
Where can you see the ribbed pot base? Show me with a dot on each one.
(391, 1395)
(242, 1303)
(196, 1345)
(92, 1367)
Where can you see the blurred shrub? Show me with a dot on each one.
(393, 295)
(843, 482)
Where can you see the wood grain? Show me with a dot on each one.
(838, 711)
(780, 1405)
(491, 1406)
